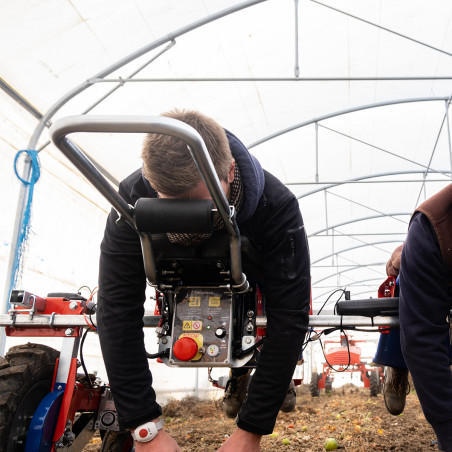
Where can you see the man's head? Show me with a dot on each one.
(169, 166)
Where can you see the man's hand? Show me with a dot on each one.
(242, 441)
(163, 442)
(393, 264)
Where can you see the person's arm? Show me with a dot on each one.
(120, 312)
(284, 251)
(425, 301)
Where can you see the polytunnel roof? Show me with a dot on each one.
(346, 102)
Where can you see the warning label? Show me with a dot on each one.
(192, 325)
(214, 301)
(194, 301)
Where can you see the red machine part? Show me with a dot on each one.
(346, 358)
(84, 399)
(260, 332)
(387, 288)
(185, 348)
(47, 306)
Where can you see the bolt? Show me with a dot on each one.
(69, 332)
(59, 387)
(391, 283)
(250, 313)
(249, 327)
(73, 305)
(248, 340)
(164, 340)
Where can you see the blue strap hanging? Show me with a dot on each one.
(25, 226)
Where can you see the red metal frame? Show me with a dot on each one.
(52, 305)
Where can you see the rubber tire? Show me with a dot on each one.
(117, 442)
(314, 384)
(374, 384)
(26, 374)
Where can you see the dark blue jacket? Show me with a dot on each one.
(271, 219)
(425, 301)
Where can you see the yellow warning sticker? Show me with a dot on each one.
(214, 301)
(194, 301)
(198, 339)
(186, 326)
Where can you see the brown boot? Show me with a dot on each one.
(395, 390)
(290, 400)
(234, 394)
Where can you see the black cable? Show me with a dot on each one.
(348, 352)
(240, 353)
(82, 361)
(83, 287)
(162, 354)
(337, 290)
(209, 376)
(92, 311)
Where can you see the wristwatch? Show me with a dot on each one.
(147, 431)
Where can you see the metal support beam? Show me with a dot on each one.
(151, 321)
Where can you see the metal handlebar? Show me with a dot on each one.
(148, 124)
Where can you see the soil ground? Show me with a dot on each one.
(357, 421)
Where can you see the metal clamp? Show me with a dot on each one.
(31, 312)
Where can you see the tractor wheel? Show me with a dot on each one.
(117, 442)
(26, 374)
(314, 385)
(328, 385)
(374, 383)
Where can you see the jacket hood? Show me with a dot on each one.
(252, 177)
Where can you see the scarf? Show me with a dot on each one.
(236, 198)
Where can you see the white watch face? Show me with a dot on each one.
(147, 431)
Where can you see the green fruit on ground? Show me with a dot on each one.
(285, 441)
(331, 444)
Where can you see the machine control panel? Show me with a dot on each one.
(201, 330)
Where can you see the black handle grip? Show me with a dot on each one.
(157, 215)
(369, 307)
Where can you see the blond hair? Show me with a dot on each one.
(167, 162)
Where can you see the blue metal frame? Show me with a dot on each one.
(42, 426)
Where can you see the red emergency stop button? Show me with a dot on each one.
(185, 349)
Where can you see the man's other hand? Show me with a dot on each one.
(242, 441)
(393, 264)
